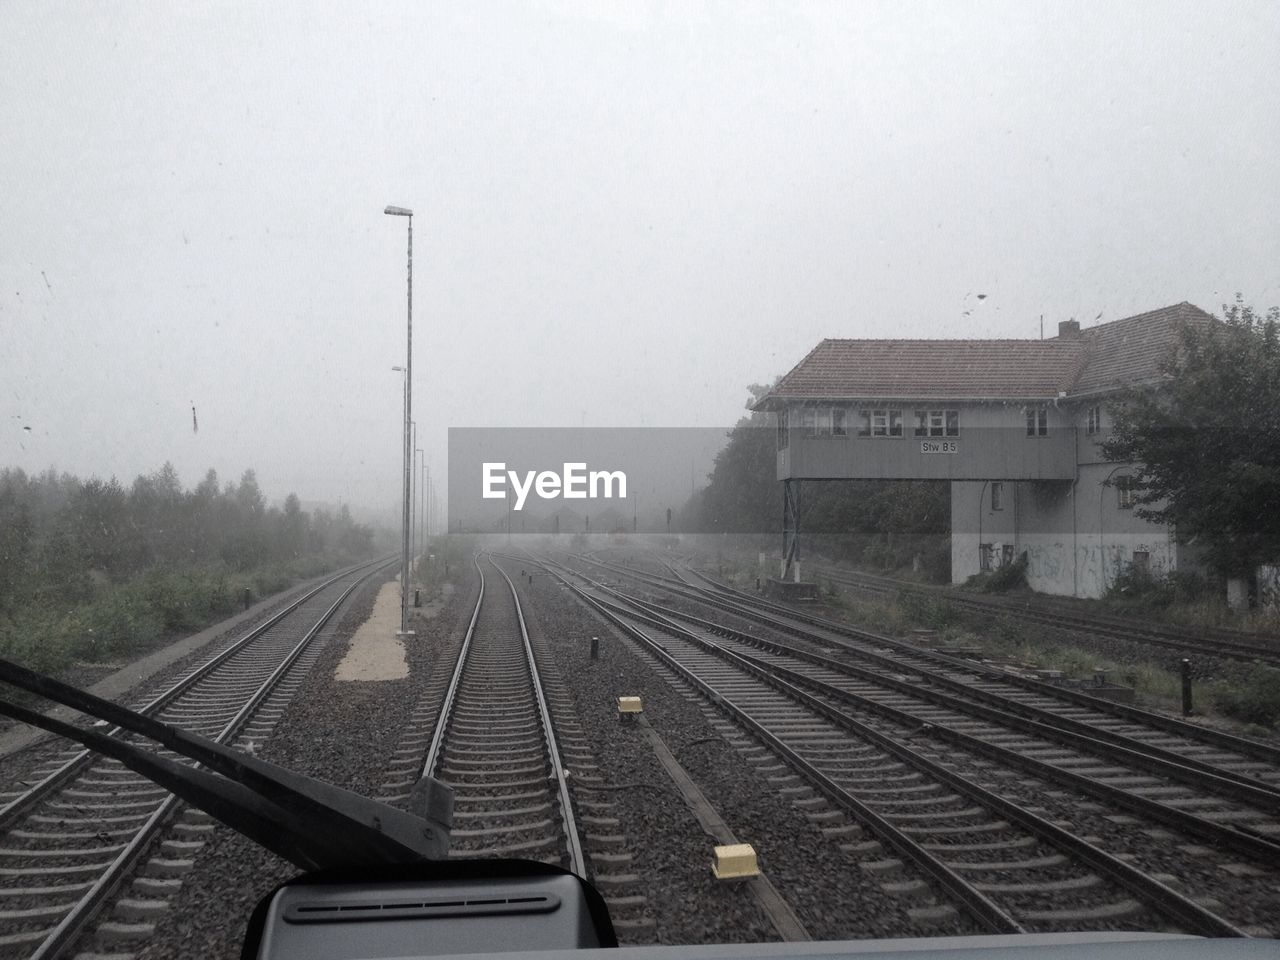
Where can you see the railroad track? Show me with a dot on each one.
(1231, 811)
(72, 834)
(1211, 642)
(495, 744)
(517, 816)
(1075, 711)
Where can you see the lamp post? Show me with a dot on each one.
(433, 508)
(404, 373)
(420, 457)
(408, 416)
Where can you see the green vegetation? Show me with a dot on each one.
(927, 610)
(1180, 599)
(452, 563)
(1248, 693)
(1009, 576)
(124, 618)
(90, 571)
(1208, 435)
(1139, 592)
(883, 525)
(878, 616)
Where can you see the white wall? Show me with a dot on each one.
(1076, 537)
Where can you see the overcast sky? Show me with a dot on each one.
(624, 213)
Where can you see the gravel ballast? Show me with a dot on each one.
(830, 893)
(340, 732)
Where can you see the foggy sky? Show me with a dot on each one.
(625, 214)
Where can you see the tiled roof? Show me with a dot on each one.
(1131, 350)
(1099, 358)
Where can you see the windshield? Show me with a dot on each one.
(809, 468)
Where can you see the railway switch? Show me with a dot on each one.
(735, 861)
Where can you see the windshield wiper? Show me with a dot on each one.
(313, 824)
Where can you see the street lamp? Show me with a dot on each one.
(431, 494)
(413, 504)
(412, 551)
(418, 507)
(408, 416)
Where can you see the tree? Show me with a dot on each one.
(293, 528)
(101, 516)
(1206, 440)
(249, 495)
(16, 544)
(207, 490)
(744, 495)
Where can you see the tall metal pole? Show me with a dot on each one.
(413, 503)
(408, 417)
(420, 462)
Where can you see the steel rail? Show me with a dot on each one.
(450, 696)
(1236, 644)
(1155, 894)
(577, 862)
(85, 909)
(986, 911)
(20, 805)
(768, 613)
(999, 709)
(573, 842)
(1264, 849)
(1243, 745)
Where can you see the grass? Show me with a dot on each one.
(123, 618)
(878, 616)
(1181, 599)
(1248, 694)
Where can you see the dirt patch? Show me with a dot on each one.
(375, 652)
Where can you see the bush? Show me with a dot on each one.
(118, 622)
(1010, 576)
(1140, 590)
(39, 641)
(1250, 694)
(936, 561)
(125, 617)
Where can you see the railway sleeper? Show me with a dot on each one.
(510, 812)
(19, 893)
(1081, 882)
(69, 836)
(113, 934)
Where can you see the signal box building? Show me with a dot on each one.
(1015, 426)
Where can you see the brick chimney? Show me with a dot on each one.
(1068, 329)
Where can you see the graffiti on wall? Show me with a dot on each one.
(1269, 586)
(1095, 567)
